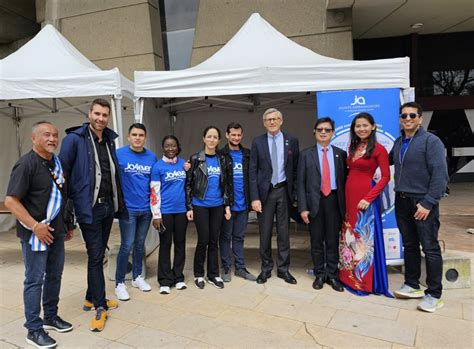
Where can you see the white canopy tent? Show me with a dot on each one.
(257, 69)
(48, 78)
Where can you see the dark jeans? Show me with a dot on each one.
(175, 232)
(96, 236)
(233, 230)
(324, 231)
(133, 232)
(208, 222)
(414, 233)
(43, 271)
(276, 204)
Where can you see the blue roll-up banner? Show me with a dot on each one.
(383, 105)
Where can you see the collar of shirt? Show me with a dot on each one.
(170, 161)
(277, 136)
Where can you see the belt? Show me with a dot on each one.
(402, 194)
(279, 185)
(103, 200)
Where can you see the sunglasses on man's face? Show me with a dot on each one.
(406, 115)
(321, 129)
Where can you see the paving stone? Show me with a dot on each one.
(374, 327)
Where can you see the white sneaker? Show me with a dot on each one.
(406, 292)
(181, 285)
(140, 283)
(430, 304)
(165, 290)
(121, 292)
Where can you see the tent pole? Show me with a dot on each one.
(118, 107)
(141, 106)
(114, 120)
(172, 122)
(17, 120)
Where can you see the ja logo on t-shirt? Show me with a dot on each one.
(213, 171)
(137, 169)
(175, 176)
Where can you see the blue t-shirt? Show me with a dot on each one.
(173, 180)
(239, 189)
(135, 169)
(213, 195)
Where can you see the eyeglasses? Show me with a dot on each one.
(321, 129)
(411, 115)
(272, 119)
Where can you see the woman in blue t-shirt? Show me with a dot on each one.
(168, 205)
(209, 197)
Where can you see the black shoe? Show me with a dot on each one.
(263, 277)
(335, 284)
(318, 283)
(217, 282)
(57, 324)
(199, 282)
(287, 277)
(40, 339)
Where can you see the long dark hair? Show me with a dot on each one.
(355, 140)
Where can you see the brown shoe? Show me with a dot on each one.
(98, 322)
(111, 304)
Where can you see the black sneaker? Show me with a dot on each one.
(40, 339)
(57, 324)
(216, 282)
(199, 282)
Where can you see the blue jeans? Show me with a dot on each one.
(96, 237)
(233, 230)
(133, 232)
(43, 272)
(415, 233)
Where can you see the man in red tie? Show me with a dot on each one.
(322, 174)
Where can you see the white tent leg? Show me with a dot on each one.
(138, 109)
(118, 106)
(114, 120)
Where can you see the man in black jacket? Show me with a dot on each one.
(233, 230)
(421, 177)
(322, 173)
(272, 174)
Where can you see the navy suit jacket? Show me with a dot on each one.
(260, 170)
(309, 180)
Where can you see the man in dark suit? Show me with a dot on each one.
(322, 173)
(272, 175)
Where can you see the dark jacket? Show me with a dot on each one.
(196, 179)
(309, 180)
(77, 156)
(260, 170)
(245, 164)
(423, 174)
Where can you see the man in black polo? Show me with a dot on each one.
(36, 196)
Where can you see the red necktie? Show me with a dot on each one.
(326, 178)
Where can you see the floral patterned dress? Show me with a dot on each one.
(361, 228)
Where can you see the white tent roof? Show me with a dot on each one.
(260, 59)
(49, 66)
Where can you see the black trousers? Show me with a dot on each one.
(208, 222)
(414, 234)
(276, 204)
(96, 237)
(175, 233)
(324, 230)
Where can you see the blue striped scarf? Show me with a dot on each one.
(54, 204)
